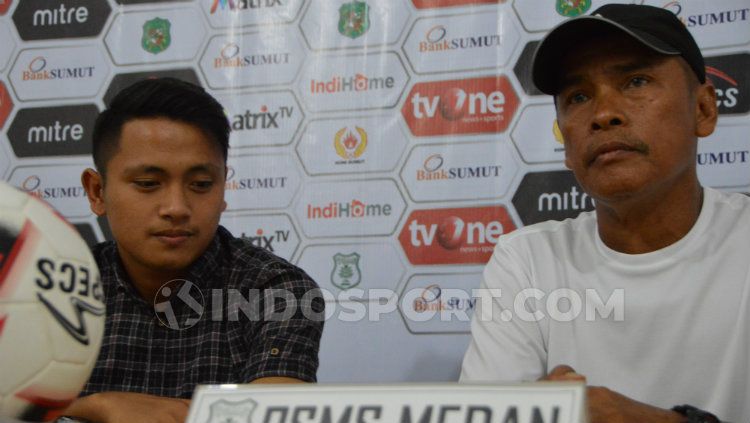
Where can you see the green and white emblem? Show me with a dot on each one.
(573, 8)
(346, 273)
(156, 37)
(354, 19)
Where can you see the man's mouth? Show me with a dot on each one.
(173, 237)
(614, 150)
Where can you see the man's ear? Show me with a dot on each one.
(93, 183)
(706, 110)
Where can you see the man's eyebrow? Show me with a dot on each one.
(643, 64)
(144, 169)
(151, 169)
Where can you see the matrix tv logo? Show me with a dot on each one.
(729, 75)
(264, 118)
(53, 131)
(274, 232)
(240, 5)
(546, 196)
(454, 236)
(55, 19)
(471, 106)
(6, 104)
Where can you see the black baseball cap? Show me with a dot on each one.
(654, 27)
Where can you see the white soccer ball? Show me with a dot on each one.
(51, 308)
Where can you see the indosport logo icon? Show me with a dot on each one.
(729, 75)
(455, 235)
(470, 106)
(354, 19)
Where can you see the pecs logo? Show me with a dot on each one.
(730, 78)
(471, 106)
(354, 19)
(350, 144)
(454, 236)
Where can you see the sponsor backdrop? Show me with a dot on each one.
(382, 145)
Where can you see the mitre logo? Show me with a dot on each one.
(454, 236)
(471, 106)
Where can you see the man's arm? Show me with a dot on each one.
(607, 406)
(505, 350)
(128, 407)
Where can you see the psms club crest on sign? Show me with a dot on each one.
(354, 19)
(572, 8)
(223, 411)
(346, 273)
(156, 35)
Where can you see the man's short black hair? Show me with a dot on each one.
(154, 98)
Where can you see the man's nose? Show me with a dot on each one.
(175, 205)
(607, 111)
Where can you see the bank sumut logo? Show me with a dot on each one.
(37, 71)
(433, 300)
(710, 18)
(229, 57)
(436, 40)
(241, 184)
(33, 186)
(433, 170)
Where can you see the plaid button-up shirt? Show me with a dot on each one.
(231, 341)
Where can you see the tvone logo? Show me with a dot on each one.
(4, 6)
(454, 236)
(481, 105)
(6, 104)
(732, 81)
(46, 19)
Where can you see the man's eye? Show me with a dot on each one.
(203, 185)
(637, 81)
(577, 98)
(146, 183)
